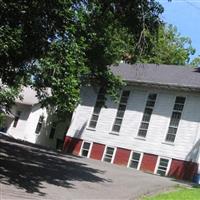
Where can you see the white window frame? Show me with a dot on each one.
(16, 118)
(140, 160)
(111, 128)
(53, 127)
(157, 165)
(91, 114)
(182, 113)
(39, 122)
(89, 151)
(148, 107)
(113, 156)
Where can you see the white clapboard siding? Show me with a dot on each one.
(18, 131)
(27, 123)
(187, 134)
(32, 122)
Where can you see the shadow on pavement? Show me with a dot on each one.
(27, 167)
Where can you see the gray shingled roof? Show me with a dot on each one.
(29, 96)
(168, 75)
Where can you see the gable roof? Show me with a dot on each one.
(163, 75)
(28, 97)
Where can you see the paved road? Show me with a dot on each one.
(27, 172)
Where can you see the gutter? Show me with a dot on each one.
(161, 85)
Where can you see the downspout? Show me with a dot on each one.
(196, 141)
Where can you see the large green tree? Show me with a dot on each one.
(196, 62)
(65, 44)
(168, 47)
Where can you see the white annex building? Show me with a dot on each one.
(155, 126)
(29, 122)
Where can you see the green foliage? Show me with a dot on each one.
(7, 97)
(196, 62)
(74, 42)
(61, 70)
(101, 35)
(181, 193)
(26, 29)
(64, 45)
(168, 48)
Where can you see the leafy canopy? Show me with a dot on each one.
(65, 44)
(196, 62)
(168, 47)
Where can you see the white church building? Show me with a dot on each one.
(154, 127)
(29, 122)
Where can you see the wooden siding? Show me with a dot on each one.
(72, 145)
(182, 169)
(187, 135)
(148, 163)
(97, 151)
(25, 129)
(179, 169)
(122, 156)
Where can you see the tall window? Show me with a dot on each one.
(162, 166)
(121, 110)
(53, 130)
(16, 119)
(97, 108)
(175, 119)
(147, 115)
(39, 124)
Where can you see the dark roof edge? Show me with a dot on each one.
(161, 85)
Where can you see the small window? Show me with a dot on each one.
(16, 119)
(163, 166)
(121, 110)
(97, 108)
(53, 130)
(39, 125)
(59, 144)
(175, 119)
(135, 160)
(108, 154)
(147, 115)
(85, 149)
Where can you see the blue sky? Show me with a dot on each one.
(185, 15)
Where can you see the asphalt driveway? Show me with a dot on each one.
(27, 172)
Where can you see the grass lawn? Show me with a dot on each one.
(180, 194)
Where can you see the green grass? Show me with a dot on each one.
(178, 194)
